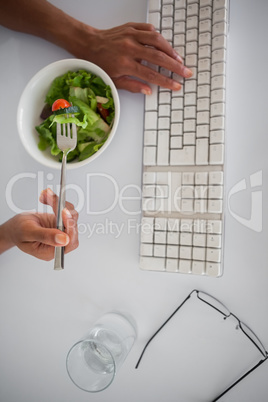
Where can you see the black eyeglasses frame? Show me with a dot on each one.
(241, 325)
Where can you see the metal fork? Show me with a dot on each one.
(66, 141)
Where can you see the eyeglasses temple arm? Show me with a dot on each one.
(159, 329)
(241, 378)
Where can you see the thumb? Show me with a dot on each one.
(50, 237)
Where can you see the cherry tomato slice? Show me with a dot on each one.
(60, 104)
(103, 112)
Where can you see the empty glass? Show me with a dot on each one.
(93, 361)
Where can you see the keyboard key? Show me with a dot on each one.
(172, 252)
(192, 22)
(190, 99)
(167, 23)
(214, 226)
(199, 240)
(204, 64)
(217, 109)
(173, 238)
(152, 263)
(219, 15)
(216, 137)
(216, 154)
(205, 26)
(163, 148)
(192, 9)
(217, 4)
(180, 4)
(154, 5)
(219, 29)
(219, 42)
(213, 255)
(198, 267)
(214, 241)
(201, 178)
(150, 137)
(167, 10)
(185, 266)
(204, 52)
(215, 178)
(218, 69)
(146, 249)
(215, 206)
(205, 13)
(217, 123)
(176, 129)
(205, 39)
(213, 269)
(202, 148)
(199, 253)
(149, 156)
(176, 142)
(204, 3)
(215, 192)
(172, 265)
(151, 100)
(179, 27)
(150, 121)
(154, 19)
(218, 96)
(185, 156)
(180, 14)
(203, 104)
(186, 239)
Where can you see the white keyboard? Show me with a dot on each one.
(183, 155)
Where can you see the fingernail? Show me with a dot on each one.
(49, 191)
(187, 72)
(145, 91)
(67, 212)
(178, 58)
(41, 196)
(176, 86)
(61, 239)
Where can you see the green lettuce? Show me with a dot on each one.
(80, 88)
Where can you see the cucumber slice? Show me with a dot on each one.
(68, 110)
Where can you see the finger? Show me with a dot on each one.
(70, 225)
(48, 197)
(160, 58)
(151, 76)
(142, 26)
(70, 207)
(156, 40)
(132, 85)
(49, 237)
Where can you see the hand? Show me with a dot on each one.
(36, 233)
(120, 50)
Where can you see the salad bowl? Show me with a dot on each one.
(31, 105)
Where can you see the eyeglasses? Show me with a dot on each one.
(226, 313)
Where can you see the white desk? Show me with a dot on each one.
(44, 312)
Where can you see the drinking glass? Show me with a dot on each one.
(93, 361)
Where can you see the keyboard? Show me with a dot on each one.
(183, 153)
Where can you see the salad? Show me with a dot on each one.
(89, 104)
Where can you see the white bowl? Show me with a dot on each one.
(32, 102)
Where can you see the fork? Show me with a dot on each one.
(66, 141)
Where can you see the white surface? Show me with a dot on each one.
(44, 312)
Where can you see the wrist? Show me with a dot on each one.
(75, 37)
(5, 238)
